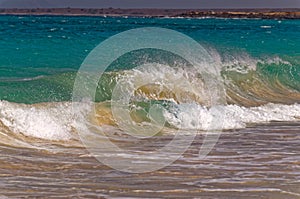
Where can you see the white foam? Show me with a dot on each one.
(55, 121)
(242, 62)
(51, 121)
(266, 27)
(180, 80)
(193, 116)
(275, 60)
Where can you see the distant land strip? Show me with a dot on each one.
(185, 13)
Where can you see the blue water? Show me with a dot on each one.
(255, 157)
(40, 55)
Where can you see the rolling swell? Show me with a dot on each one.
(268, 92)
(272, 81)
(248, 83)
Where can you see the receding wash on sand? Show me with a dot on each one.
(257, 60)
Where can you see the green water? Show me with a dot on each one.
(43, 153)
(40, 55)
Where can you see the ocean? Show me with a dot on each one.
(44, 150)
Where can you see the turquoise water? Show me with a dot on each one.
(43, 153)
(40, 55)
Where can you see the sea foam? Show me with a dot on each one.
(51, 121)
(56, 121)
(194, 116)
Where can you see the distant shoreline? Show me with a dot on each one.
(185, 13)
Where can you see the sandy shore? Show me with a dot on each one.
(193, 13)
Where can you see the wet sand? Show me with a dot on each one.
(260, 161)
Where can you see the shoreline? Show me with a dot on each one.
(159, 13)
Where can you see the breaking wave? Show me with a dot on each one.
(257, 91)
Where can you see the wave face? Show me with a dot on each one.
(55, 121)
(254, 95)
(248, 82)
(271, 81)
(260, 69)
